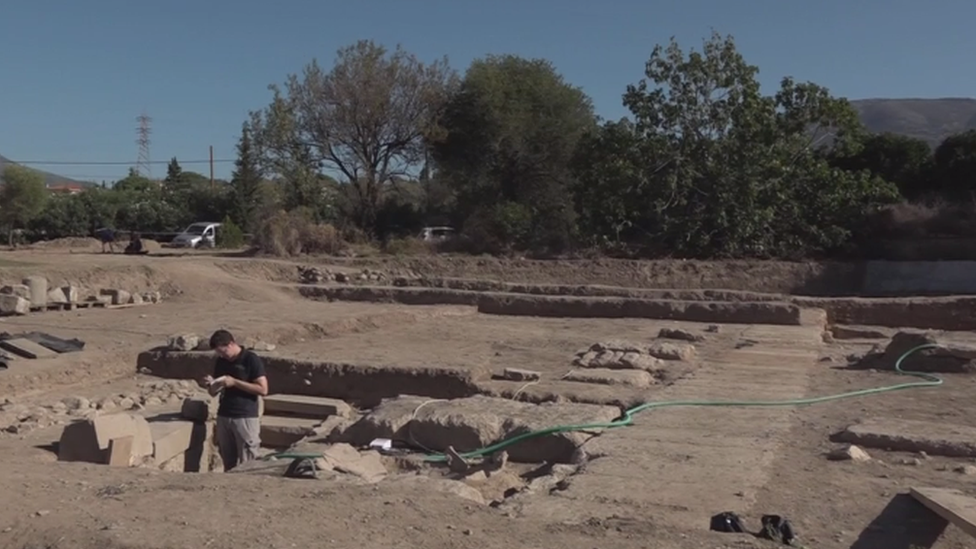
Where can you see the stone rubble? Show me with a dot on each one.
(623, 355)
(21, 418)
(948, 357)
(193, 342)
(315, 275)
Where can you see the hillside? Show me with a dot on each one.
(50, 179)
(930, 119)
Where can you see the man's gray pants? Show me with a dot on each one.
(238, 440)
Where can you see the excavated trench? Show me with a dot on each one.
(333, 409)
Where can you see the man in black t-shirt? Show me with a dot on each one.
(240, 379)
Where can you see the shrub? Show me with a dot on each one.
(293, 233)
(408, 246)
(913, 220)
(230, 235)
(320, 239)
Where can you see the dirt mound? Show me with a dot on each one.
(183, 281)
(69, 243)
(265, 270)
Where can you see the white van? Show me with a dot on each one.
(198, 235)
(436, 233)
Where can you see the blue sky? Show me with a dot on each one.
(77, 73)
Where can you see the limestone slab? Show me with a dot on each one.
(305, 406)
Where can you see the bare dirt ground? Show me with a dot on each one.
(653, 484)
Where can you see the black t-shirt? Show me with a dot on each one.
(234, 402)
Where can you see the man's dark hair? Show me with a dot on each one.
(221, 338)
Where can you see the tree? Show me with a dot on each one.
(246, 182)
(508, 136)
(727, 171)
(22, 198)
(902, 160)
(366, 119)
(134, 183)
(174, 172)
(955, 166)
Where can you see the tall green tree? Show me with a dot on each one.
(174, 172)
(905, 161)
(508, 136)
(246, 182)
(955, 166)
(728, 171)
(22, 198)
(365, 120)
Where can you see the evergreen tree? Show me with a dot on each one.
(174, 172)
(246, 182)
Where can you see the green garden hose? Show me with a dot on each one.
(927, 380)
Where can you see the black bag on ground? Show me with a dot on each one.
(777, 528)
(727, 522)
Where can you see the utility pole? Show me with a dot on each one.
(211, 170)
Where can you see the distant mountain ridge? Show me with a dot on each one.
(931, 120)
(50, 179)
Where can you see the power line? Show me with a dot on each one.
(126, 163)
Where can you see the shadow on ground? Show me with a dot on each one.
(903, 524)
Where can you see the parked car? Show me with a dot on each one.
(198, 235)
(436, 233)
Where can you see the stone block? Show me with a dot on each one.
(183, 342)
(170, 439)
(117, 297)
(13, 305)
(680, 335)
(120, 452)
(176, 464)
(306, 406)
(201, 408)
(671, 351)
(518, 374)
(346, 459)
(71, 293)
(282, 432)
(56, 295)
(136, 299)
(470, 423)
(202, 456)
(605, 376)
(37, 286)
(88, 440)
(19, 290)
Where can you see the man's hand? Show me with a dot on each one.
(206, 381)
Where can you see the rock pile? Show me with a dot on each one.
(948, 357)
(622, 355)
(126, 439)
(193, 342)
(618, 362)
(35, 293)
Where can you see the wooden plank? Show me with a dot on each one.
(26, 348)
(952, 505)
(120, 451)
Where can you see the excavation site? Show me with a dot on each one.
(468, 402)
